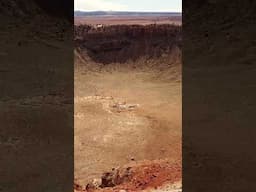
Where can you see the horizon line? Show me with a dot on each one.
(131, 11)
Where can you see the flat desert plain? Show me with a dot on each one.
(127, 20)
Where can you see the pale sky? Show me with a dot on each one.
(129, 5)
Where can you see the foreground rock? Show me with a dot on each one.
(144, 176)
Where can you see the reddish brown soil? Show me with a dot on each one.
(145, 175)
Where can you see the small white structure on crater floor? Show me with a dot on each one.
(98, 26)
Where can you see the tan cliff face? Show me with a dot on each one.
(120, 43)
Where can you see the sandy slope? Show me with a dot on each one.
(125, 115)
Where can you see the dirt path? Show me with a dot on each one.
(124, 116)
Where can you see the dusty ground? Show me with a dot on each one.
(127, 20)
(125, 115)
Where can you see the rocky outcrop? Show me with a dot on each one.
(119, 43)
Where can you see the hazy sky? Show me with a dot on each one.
(129, 5)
